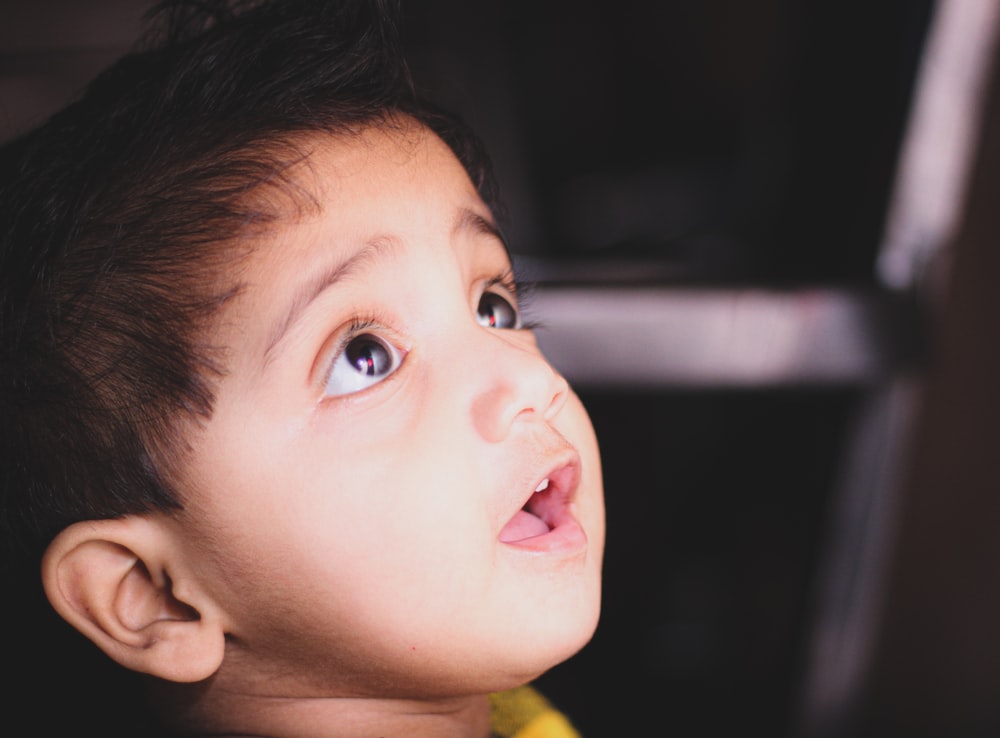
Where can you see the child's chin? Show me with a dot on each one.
(532, 671)
(565, 644)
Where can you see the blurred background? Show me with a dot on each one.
(763, 241)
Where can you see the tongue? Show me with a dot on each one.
(521, 526)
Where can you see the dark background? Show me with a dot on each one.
(726, 140)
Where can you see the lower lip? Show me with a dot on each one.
(567, 537)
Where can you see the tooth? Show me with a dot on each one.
(542, 485)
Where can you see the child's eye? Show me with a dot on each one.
(495, 311)
(364, 361)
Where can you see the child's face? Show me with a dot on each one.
(355, 499)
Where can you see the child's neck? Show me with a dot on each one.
(251, 716)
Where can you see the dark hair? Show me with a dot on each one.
(121, 224)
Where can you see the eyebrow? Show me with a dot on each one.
(307, 292)
(470, 220)
(467, 220)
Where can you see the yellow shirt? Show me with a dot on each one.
(524, 713)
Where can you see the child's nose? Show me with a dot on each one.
(518, 384)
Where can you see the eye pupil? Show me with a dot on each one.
(368, 356)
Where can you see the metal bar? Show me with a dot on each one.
(669, 337)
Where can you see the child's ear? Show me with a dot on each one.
(117, 582)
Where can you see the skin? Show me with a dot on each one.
(361, 532)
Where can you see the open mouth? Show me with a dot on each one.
(546, 519)
(534, 519)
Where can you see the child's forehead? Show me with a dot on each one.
(330, 177)
(331, 164)
(345, 192)
(383, 179)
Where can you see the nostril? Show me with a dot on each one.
(558, 397)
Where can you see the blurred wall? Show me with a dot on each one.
(937, 668)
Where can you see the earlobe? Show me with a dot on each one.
(116, 582)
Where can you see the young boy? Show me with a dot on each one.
(273, 422)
